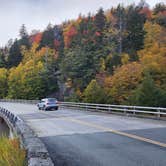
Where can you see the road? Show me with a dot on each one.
(80, 138)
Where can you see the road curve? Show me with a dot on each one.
(78, 138)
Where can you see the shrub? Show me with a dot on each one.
(10, 153)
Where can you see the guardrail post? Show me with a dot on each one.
(125, 111)
(158, 115)
(96, 107)
(109, 109)
(134, 110)
(86, 107)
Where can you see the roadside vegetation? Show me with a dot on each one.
(116, 56)
(10, 152)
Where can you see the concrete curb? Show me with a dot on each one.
(37, 154)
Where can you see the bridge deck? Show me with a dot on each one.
(77, 138)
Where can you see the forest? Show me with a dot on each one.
(117, 56)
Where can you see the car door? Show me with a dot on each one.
(42, 103)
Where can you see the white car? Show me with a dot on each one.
(48, 104)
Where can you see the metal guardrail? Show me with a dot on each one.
(157, 111)
(117, 108)
(20, 101)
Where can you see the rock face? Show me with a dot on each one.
(37, 154)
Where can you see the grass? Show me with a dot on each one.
(10, 152)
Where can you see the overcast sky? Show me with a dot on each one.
(36, 14)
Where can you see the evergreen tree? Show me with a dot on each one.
(15, 56)
(47, 37)
(59, 41)
(159, 7)
(24, 37)
(78, 63)
(3, 82)
(2, 59)
(100, 20)
(148, 94)
(134, 40)
(23, 31)
(143, 4)
(159, 14)
(120, 25)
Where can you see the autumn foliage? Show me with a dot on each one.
(69, 33)
(108, 57)
(36, 38)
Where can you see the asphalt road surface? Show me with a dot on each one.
(80, 138)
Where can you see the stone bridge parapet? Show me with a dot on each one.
(37, 154)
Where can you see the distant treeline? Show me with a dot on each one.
(116, 56)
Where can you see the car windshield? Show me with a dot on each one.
(52, 100)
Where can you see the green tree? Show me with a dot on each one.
(100, 20)
(15, 78)
(159, 7)
(3, 82)
(134, 39)
(15, 55)
(148, 94)
(2, 59)
(33, 78)
(79, 63)
(47, 37)
(94, 93)
(24, 41)
(159, 14)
